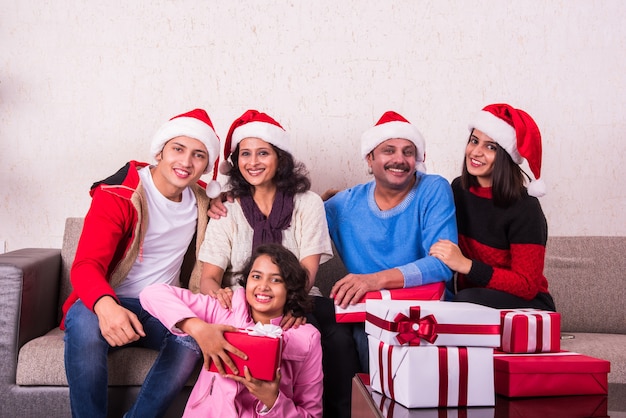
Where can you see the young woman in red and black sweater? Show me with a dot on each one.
(502, 229)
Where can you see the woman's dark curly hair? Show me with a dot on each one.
(291, 176)
(294, 275)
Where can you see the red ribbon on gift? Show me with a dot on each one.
(411, 329)
(381, 373)
(443, 376)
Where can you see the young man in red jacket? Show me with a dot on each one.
(139, 228)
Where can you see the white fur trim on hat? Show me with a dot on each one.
(191, 127)
(268, 132)
(389, 130)
(498, 130)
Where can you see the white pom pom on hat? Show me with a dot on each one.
(393, 125)
(194, 124)
(213, 189)
(518, 134)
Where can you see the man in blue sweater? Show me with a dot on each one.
(383, 229)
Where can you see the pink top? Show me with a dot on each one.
(301, 384)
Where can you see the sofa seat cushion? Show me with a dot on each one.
(40, 363)
(605, 346)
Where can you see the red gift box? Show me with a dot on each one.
(356, 313)
(263, 354)
(553, 407)
(530, 331)
(550, 374)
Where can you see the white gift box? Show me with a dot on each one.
(432, 376)
(402, 322)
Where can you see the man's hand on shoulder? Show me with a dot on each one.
(217, 209)
(118, 325)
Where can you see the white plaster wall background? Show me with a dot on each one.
(83, 86)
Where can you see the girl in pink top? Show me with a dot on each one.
(273, 283)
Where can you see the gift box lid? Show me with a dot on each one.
(547, 363)
(404, 322)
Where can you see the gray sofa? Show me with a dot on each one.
(34, 283)
(584, 275)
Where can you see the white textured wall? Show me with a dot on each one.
(84, 85)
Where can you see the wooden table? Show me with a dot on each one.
(613, 405)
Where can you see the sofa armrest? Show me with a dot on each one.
(29, 282)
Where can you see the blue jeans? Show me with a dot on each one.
(87, 371)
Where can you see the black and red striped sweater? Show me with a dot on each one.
(506, 245)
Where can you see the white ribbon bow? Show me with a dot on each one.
(265, 330)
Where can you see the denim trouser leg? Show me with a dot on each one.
(360, 340)
(174, 365)
(85, 363)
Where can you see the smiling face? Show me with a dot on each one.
(257, 162)
(393, 164)
(266, 292)
(480, 155)
(180, 164)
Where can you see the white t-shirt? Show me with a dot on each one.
(171, 226)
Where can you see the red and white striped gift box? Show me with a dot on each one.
(530, 331)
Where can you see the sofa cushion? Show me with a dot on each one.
(585, 277)
(127, 366)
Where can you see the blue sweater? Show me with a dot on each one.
(369, 239)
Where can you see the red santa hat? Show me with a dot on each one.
(392, 125)
(253, 124)
(194, 124)
(517, 133)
